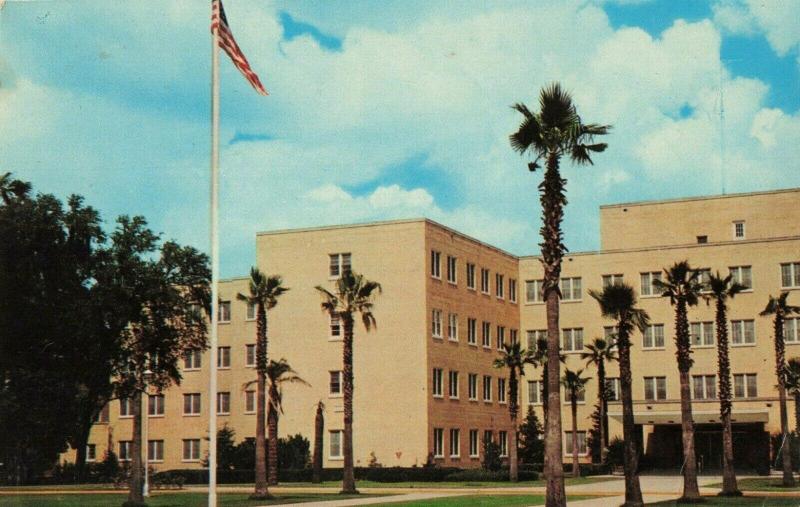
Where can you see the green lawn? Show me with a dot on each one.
(156, 500)
(713, 501)
(760, 484)
(480, 500)
(466, 484)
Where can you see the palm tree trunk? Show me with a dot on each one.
(780, 363)
(319, 429)
(272, 442)
(797, 413)
(513, 452)
(729, 486)
(261, 485)
(601, 398)
(691, 491)
(633, 490)
(136, 490)
(576, 471)
(348, 477)
(552, 199)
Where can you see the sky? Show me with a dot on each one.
(393, 109)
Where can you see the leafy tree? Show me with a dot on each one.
(595, 436)
(264, 294)
(319, 431)
(555, 131)
(491, 456)
(779, 308)
(531, 444)
(574, 384)
(792, 379)
(599, 353)
(354, 295)
(278, 374)
(293, 452)
(513, 357)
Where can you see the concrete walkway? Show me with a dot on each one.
(410, 497)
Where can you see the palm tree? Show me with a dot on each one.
(574, 384)
(354, 294)
(792, 379)
(278, 374)
(719, 290)
(683, 288)
(264, 294)
(513, 357)
(618, 302)
(555, 131)
(598, 353)
(778, 307)
(319, 430)
(12, 189)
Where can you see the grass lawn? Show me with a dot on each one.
(761, 484)
(476, 484)
(480, 500)
(713, 501)
(157, 499)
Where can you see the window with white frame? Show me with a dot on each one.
(126, 407)
(571, 289)
(488, 436)
(472, 331)
(125, 447)
(613, 392)
(438, 442)
(250, 355)
(738, 229)
(745, 385)
(609, 280)
(223, 403)
(535, 392)
(452, 327)
(223, 357)
(452, 385)
(653, 337)
(533, 291)
(743, 332)
(655, 388)
(503, 441)
(249, 401)
(498, 285)
(436, 323)
(91, 452)
(155, 450)
(191, 449)
(572, 339)
(192, 360)
(501, 390)
(487, 388)
(486, 336)
(648, 288)
(340, 264)
(191, 404)
(335, 450)
(336, 326)
(472, 386)
(703, 277)
(473, 444)
(484, 280)
(155, 405)
(455, 442)
(252, 311)
(436, 388)
(580, 396)
(610, 333)
(512, 290)
(436, 264)
(743, 275)
(225, 311)
(501, 337)
(513, 336)
(470, 276)
(335, 384)
(702, 334)
(791, 330)
(451, 269)
(534, 337)
(581, 450)
(790, 275)
(704, 387)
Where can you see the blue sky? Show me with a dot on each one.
(393, 112)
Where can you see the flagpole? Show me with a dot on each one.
(212, 384)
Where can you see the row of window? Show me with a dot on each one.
(193, 360)
(155, 450)
(474, 449)
(451, 272)
(192, 405)
(472, 330)
(437, 388)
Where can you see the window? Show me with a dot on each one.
(336, 444)
(535, 392)
(193, 360)
(437, 389)
(484, 280)
(452, 385)
(571, 289)
(452, 327)
(487, 334)
(743, 275)
(472, 386)
(613, 392)
(225, 311)
(473, 443)
(436, 323)
(125, 447)
(102, 416)
(704, 387)
(487, 436)
(335, 383)
(501, 337)
(791, 330)
(249, 401)
(251, 311)
(155, 450)
(487, 388)
(250, 355)
(655, 388)
(579, 398)
(471, 276)
(744, 385)
(498, 285)
(743, 332)
(155, 405)
(472, 331)
(703, 277)
(503, 441)
(512, 290)
(455, 443)
(340, 264)
(191, 404)
(702, 334)
(533, 291)
(738, 229)
(223, 403)
(581, 450)
(436, 264)
(223, 357)
(609, 280)
(91, 452)
(653, 337)
(572, 340)
(501, 390)
(126, 407)
(648, 289)
(701, 240)
(336, 326)
(790, 275)
(438, 443)
(513, 336)
(534, 337)
(191, 449)
(451, 269)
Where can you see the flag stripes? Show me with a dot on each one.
(219, 23)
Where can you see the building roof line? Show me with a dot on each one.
(698, 198)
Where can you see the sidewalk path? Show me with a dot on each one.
(410, 497)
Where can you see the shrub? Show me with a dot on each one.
(480, 475)
(491, 456)
(616, 452)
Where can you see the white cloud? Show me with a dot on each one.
(779, 20)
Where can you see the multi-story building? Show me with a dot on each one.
(425, 387)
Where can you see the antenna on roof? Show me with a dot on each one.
(721, 129)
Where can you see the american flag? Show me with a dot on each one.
(226, 41)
